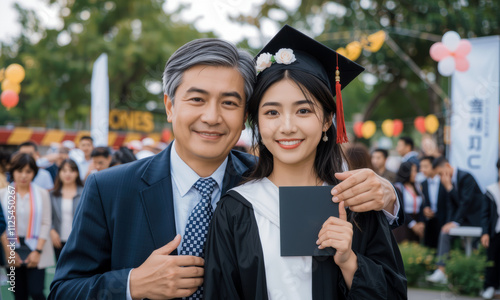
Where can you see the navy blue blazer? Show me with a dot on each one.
(466, 200)
(125, 213)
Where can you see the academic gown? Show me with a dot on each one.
(234, 259)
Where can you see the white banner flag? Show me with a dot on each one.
(474, 120)
(99, 90)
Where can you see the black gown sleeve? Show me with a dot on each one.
(380, 273)
(234, 262)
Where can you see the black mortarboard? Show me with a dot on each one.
(318, 60)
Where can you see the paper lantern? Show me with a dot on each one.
(398, 127)
(15, 73)
(374, 41)
(431, 123)
(388, 127)
(9, 99)
(357, 129)
(420, 124)
(8, 85)
(368, 129)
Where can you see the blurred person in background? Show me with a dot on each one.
(464, 209)
(435, 208)
(490, 239)
(358, 157)
(101, 158)
(378, 159)
(4, 158)
(122, 156)
(148, 148)
(43, 178)
(64, 198)
(61, 154)
(413, 229)
(34, 250)
(405, 148)
(82, 155)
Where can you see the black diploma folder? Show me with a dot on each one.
(303, 210)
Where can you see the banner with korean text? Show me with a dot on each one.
(475, 95)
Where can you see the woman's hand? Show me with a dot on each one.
(337, 233)
(17, 261)
(33, 259)
(56, 239)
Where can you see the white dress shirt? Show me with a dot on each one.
(185, 196)
(433, 184)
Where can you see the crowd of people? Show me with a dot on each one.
(48, 189)
(438, 197)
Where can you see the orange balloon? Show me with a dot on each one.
(398, 127)
(8, 85)
(15, 73)
(9, 99)
(388, 127)
(420, 124)
(357, 129)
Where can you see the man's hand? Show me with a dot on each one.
(446, 227)
(428, 213)
(419, 229)
(363, 190)
(167, 276)
(446, 179)
(485, 240)
(33, 259)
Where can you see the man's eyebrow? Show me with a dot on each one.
(232, 94)
(196, 90)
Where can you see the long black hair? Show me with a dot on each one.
(329, 156)
(59, 184)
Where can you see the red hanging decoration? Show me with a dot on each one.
(341, 132)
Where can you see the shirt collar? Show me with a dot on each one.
(185, 177)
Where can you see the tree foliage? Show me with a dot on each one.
(138, 37)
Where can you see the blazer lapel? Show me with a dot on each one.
(157, 199)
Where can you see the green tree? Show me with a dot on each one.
(138, 37)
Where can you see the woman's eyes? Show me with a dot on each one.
(301, 111)
(271, 113)
(304, 111)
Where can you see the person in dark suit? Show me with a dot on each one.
(435, 202)
(490, 239)
(132, 218)
(464, 209)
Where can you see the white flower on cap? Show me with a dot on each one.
(264, 61)
(284, 56)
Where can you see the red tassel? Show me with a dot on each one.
(341, 132)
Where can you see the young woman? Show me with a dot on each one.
(65, 197)
(291, 111)
(413, 229)
(32, 220)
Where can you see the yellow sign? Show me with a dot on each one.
(131, 120)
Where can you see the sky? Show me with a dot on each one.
(210, 15)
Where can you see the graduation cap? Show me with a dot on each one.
(292, 50)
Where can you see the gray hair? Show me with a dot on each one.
(209, 52)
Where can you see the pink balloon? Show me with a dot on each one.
(439, 51)
(463, 49)
(461, 64)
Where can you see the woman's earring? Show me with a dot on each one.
(325, 138)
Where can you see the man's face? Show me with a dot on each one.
(101, 162)
(426, 168)
(402, 148)
(29, 150)
(208, 113)
(444, 170)
(378, 160)
(86, 146)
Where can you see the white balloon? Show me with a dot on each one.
(451, 40)
(446, 67)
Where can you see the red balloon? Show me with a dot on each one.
(166, 135)
(9, 99)
(358, 129)
(420, 124)
(398, 127)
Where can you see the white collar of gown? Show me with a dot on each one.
(286, 277)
